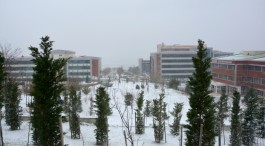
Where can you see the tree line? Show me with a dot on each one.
(205, 117)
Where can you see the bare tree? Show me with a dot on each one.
(10, 54)
(119, 72)
(106, 71)
(125, 119)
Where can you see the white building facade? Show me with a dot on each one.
(82, 68)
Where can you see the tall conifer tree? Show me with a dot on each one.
(200, 127)
(47, 85)
(176, 113)
(235, 137)
(75, 107)
(261, 119)
(2, 77)
(139, 120)
(13, 110)
(222, 113)
(102, 111)
(250, 115)
(159, 118)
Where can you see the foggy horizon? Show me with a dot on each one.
(121, 32)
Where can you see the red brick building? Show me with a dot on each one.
(239, 72)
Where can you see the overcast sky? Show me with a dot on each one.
(122, 31)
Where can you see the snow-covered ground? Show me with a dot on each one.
(117, 91)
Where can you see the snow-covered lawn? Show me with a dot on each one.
(117, 91)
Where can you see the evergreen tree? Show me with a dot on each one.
(47, 82)
(261, 119)
(176, 113)
(158, 118)
(128, 99)
(2, 77)
(200, 127)
(173, 83)
(222, 111)
(13, 110)
(147, 110)
(137, 87)
(235, 137)
(74, 108)
(139, 120)
(102, 111)
(249, 123)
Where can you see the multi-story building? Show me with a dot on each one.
(82, 68)
(239, 72)
(144, 66)
(174, 61)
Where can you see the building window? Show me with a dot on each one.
(177, 61)
(256, 80)
(263, 81)
(178, 66)
(215, 75)
(178, 55)
(263, 69)
(230, 78)
(250, 79)
(250, 67)
(177, 71)
(223, 66)
(231, 67)
(245, 67)
(257, 68)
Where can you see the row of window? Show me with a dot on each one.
(31, 62)
(177, 61)
(16, 74)
(254, 68)
(253, 80)
(177, 71)
(178, 55)
(20, 62)
(19, 68)
(79, 61)
(79, 73)
(78, 67)
(224, 77)
(178, 66)
(223, 66)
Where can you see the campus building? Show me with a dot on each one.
(82, 68)
(174, 61)
(144, 66)
(239, 72)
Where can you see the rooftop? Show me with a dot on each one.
(244, 56)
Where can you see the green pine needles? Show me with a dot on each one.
(201, 119)
(13, 110)
(139, 116)
(235, 137)
(176, 113)
(47, 85)
(102, 111)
